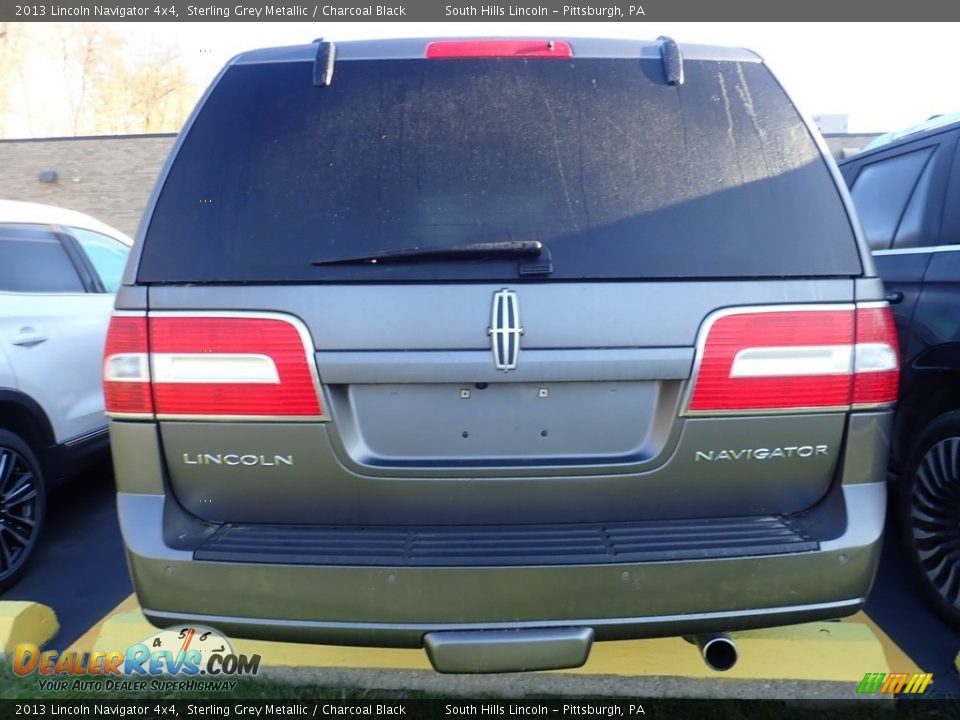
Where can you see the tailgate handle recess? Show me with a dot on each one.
(490, 651)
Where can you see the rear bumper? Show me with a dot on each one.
(396, 606)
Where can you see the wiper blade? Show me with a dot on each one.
(505, 248)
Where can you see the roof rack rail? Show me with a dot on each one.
(323, 65)
(931, 123)
(672, 60)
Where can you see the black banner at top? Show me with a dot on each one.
(573, 11)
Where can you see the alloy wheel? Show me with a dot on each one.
(935, 518)
(19, 510)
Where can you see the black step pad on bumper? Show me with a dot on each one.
(505, 545)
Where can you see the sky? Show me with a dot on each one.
(884, 76)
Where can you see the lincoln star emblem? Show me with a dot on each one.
(505, 330)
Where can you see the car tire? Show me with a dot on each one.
(929, 512)
(22, 507)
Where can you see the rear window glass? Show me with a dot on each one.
(619, 174)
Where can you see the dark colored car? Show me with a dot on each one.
(907, 194)
(497, 347)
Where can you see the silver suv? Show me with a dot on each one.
(497, 347)
(58, 272)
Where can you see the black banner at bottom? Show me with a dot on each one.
(460, 708)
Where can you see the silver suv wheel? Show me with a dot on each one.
(21, 506)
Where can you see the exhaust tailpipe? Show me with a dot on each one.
(718, 650)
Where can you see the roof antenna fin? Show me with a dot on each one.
(323, 65)
(672, 60)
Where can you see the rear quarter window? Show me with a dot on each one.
(107, 255)
(33, 260)
(620, 175)
(882, 190)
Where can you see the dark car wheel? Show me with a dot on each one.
(22, 504)
(930, 514)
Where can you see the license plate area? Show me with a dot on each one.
(499, 423)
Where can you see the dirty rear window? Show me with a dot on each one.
(620, 175)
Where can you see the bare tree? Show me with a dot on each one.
(11, 66)
(150, 93)
(88, 54)
(104, 81)
(4, 87)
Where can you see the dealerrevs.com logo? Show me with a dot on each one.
(179, 658)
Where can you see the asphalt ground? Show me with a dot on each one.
(895, 604)
(79, 568)
(80, 571)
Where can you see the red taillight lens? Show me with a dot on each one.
(876, 372)
(230, 366)
(126, 367)
(224, 367)
(780, 359)
(465, 49)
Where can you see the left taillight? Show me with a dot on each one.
(126, 368)
(238, 367)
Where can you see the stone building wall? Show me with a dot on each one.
(109, 178)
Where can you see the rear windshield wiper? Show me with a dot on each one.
(505, 248)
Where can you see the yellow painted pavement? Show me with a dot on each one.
(22, 622)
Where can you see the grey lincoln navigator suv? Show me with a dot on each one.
(497, 348)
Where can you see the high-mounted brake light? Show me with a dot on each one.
(200, 366)
(796, 358)
(465, 49)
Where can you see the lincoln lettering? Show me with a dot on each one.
(235, 459)
(789, 451)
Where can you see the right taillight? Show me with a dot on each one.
(201, 366)
(795, 358)
(876, 373)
